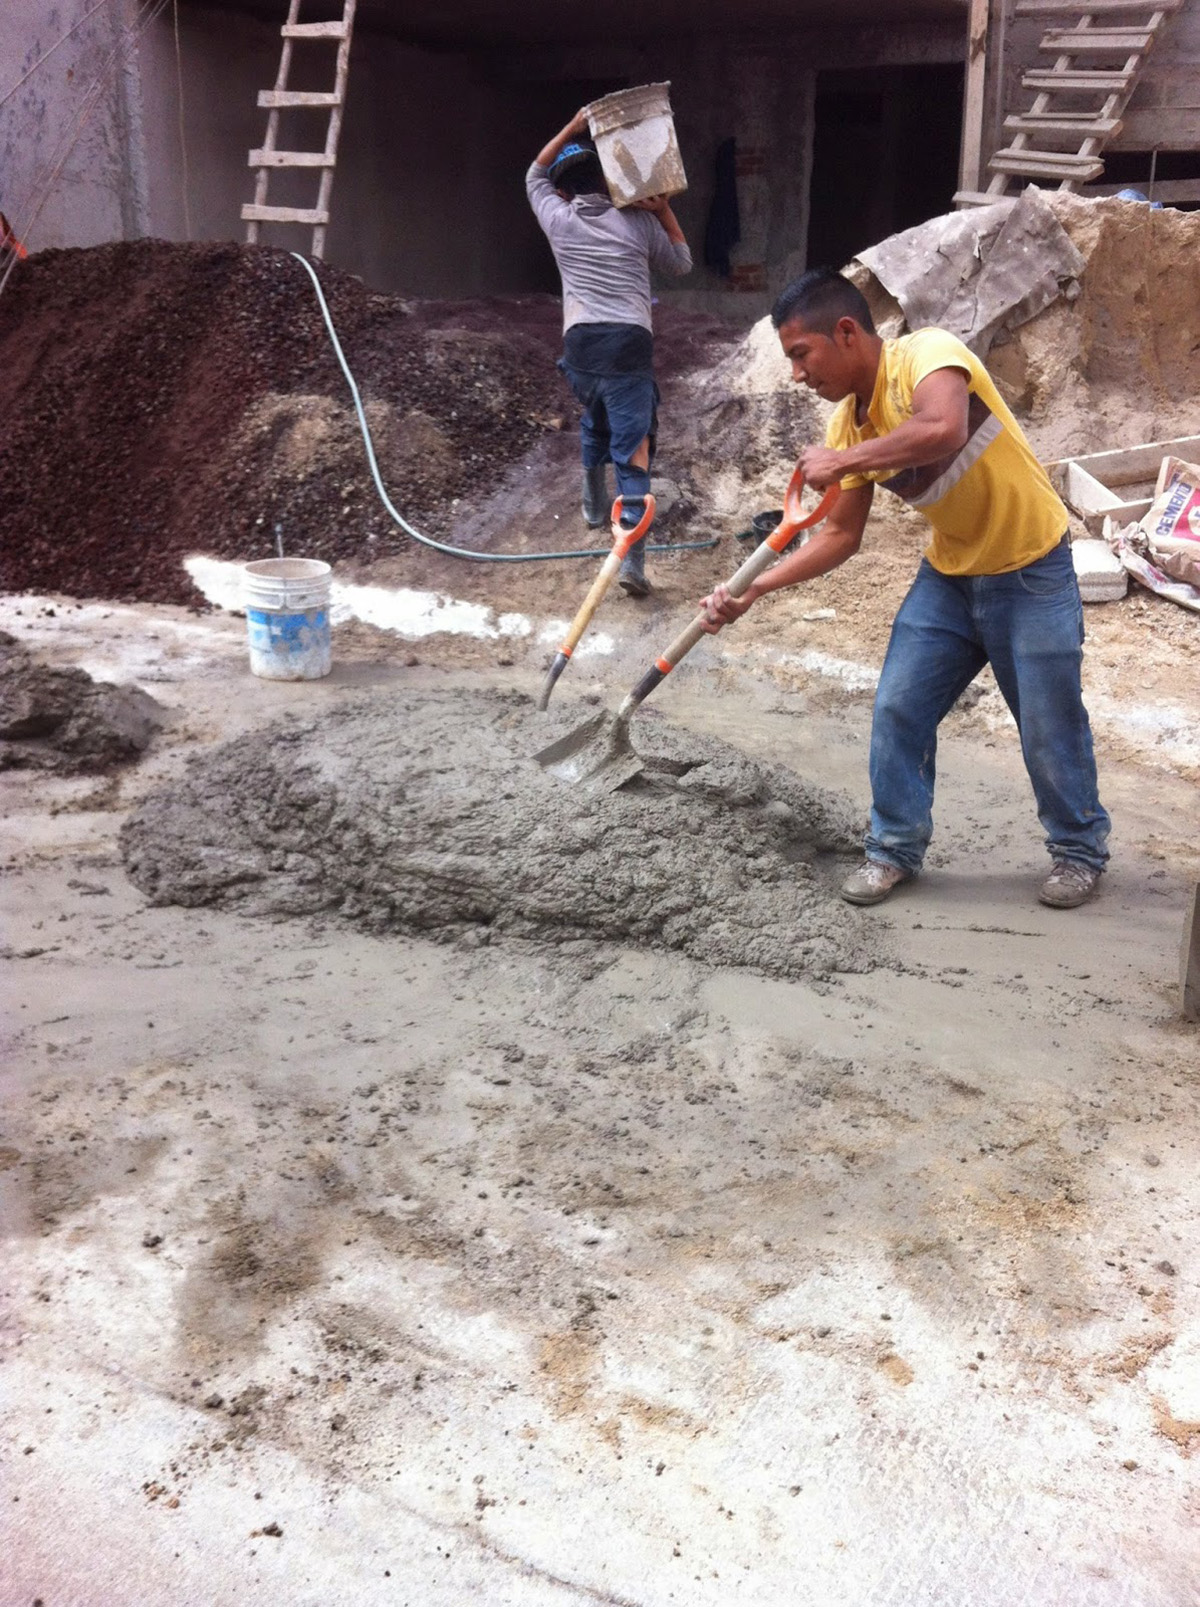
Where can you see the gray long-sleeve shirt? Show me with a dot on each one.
(604, 254)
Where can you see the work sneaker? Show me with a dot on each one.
(1069, 884)
(872, 882)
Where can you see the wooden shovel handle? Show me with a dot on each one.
(761, 558)
(623, 540)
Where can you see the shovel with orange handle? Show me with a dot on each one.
(623, 540)
(592, 751)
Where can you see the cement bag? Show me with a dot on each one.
(1173, 522)
(1162, 550)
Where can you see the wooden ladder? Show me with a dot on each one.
(1096, 63)
(280, 99)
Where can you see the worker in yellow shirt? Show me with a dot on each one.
(920, 416)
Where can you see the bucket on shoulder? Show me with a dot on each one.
(287, 618)
(635, 136)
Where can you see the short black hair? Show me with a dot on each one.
(585, 178)
(820, 297)
(576, 169)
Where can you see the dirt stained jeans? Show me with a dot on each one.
(1028, 624)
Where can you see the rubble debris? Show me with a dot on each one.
(425, 812)
(61, 719)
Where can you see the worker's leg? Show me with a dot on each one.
(632, 403)
(933, 655)
(595, 443)
(1032, 625)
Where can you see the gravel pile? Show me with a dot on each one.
(161, 399)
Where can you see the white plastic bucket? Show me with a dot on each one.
(635, 136)
(287, 618)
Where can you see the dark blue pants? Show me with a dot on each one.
(619, 412)
(1028, 625)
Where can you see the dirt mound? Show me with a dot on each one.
(743, 425)
(53, 719)
(162, 399)
(1121, 363)
(427, 813)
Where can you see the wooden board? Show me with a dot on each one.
(1074, 8)
(970, 161)
(1189, 961)
(1159, 128)
(1127, 465)
(1168, 191)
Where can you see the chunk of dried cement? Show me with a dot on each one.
(424, 811)
(52, 719)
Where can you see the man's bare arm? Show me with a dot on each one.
(549, 152)
(660, 207)
(937, 429)
(837, 539)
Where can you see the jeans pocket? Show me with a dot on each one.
(1049, 575)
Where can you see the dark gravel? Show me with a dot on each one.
(136, 385)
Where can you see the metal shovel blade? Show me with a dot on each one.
(598, 751)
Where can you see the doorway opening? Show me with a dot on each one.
(885, 155)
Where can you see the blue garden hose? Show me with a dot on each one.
(428, 541)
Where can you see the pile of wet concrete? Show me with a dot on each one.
(427, 812)
(63, 720)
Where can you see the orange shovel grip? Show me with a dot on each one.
(794, 519)
(623, 539)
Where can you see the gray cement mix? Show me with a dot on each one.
(63, 720)
(427, 812)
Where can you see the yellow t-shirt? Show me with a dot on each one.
(991, 504)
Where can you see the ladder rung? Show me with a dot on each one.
(1076, 8)
(291, 159)
(1110, 41)
(1047, 164)
(964, 198)
(284, 214)
(1076, 124)
(1076, 80)
(313, 30)
(276, 99)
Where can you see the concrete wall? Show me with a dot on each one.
(428, 195)
(72, 167)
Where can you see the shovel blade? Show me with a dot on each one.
(598, 752)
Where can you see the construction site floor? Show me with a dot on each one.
(350, 1269)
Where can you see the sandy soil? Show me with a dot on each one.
(351, 1268)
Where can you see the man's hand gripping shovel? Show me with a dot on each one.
(623, 540)
(600, 749)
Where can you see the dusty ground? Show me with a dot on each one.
(351, 1269)
(530, 1259)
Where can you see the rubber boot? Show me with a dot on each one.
(631, 577)
(597, 503)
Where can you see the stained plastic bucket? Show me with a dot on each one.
(287, 618)
(635, 136)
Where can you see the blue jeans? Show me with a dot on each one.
(1029, 625)
(619, 412)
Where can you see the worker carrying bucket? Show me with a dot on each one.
(606, 239)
